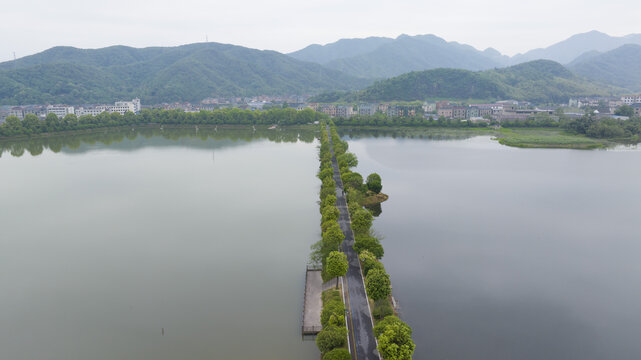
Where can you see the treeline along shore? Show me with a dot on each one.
(33, 125)
(586, 132)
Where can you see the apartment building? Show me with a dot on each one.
(631, 99)
(60, 110)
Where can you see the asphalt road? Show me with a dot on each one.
(359, 321)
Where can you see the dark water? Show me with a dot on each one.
(108, 239)
(502, 253)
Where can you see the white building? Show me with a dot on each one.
(60, 110)
(121, 107)
(367, 109)
(93, 111)
(631, 99)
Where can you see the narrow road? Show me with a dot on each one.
(359, 320)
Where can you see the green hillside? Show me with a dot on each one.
(540, 81)
(184, 73)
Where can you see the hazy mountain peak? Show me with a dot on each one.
(620, 67)
(568, 50)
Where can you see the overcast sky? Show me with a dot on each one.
(31, 26)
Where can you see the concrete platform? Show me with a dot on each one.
(313, 303)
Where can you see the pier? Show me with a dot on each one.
(313, 302)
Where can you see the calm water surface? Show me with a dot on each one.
(103, 246)
(504, 253)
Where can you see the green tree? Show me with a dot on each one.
(330, 338)
(355, 196)
(352, 180)
(369, 262)
(338, 354)
(361, 221)
(374, 183)
(369, 243)
(52, 122)
(336, 265)
(378, 284)
(394, 339)
(347, 160)
(12, 126)
(330, 213)
(625, 110)
(326, 173)
(329, 200)
(31, 124)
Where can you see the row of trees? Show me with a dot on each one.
(32, 124)
(393, 335)
(332, 338)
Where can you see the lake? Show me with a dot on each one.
(157, 244)
(185, 244)
(506, 253)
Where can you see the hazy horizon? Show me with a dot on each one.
(287, 26)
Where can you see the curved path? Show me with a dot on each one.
(359, 321)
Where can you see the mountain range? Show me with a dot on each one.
(196, 71)
(386, 57)
(162, 74)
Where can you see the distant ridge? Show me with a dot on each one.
(540, 81)
(568, 50)
(620, 67)
(161, 74)
(340, 49)
(384, 57)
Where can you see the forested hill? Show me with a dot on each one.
(540, 81)
(161, 74)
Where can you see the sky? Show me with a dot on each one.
(511, 27)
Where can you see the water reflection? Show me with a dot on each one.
(375, 209)
(411, 133)
(114, 138)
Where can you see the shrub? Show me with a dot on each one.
(335, 308)
(330, 338)
(382, 308)
(338, 354)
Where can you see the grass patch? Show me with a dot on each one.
(546, 138)
(373, 199)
